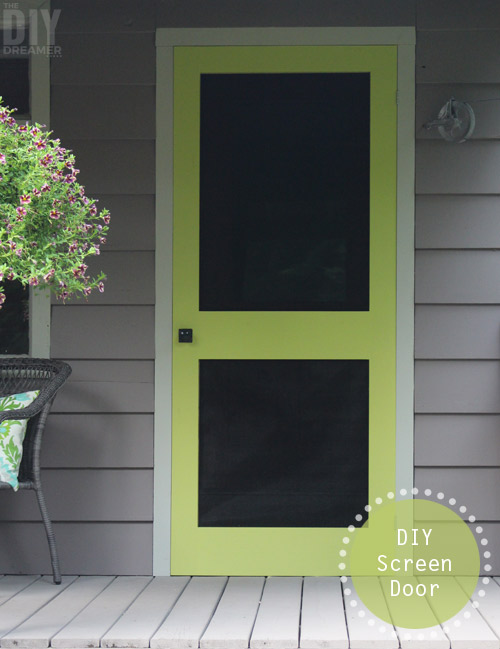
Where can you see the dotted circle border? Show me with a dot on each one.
(484, 555)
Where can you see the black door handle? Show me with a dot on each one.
(185, 335)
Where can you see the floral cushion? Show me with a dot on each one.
(12, 434)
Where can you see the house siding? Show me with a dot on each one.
(98, 451)
(457, 315)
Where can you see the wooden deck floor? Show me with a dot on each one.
(220, 613)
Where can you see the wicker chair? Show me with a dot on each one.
(20, 375)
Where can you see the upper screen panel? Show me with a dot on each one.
(284, 192)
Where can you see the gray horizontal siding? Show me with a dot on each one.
(457, 440)
(110, 372)
(115, 166)
(431, 97)
(109, 441)
(457, 332)
(457, 277)
(89, 495)
(462, 56)
(284, 13)
(457, 318)
(457, 387)
(446, 168)
(111, 58)
(97, 396)
(130, 112)
(103, 17)
(457, 222)
(458, 14)
(103, 332)
(107, 386)
(84, 548)
(130, 279)
(132, 221)
(475, 488)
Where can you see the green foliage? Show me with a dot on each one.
(48, 226)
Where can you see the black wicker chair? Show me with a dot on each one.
(21, 375)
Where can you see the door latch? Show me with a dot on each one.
(185, 335)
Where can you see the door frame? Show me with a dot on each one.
(166, 40)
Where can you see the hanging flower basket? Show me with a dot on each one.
(48, 226)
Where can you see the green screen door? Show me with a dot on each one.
(284, 352)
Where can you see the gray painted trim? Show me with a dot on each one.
(163, 314)
(166, 39)
(405, 268)
(40, 112)
(171, 37)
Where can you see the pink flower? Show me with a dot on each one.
(46, 160)
(2, 159)
(100, 286)
(33, 281)
(55, 214)
(2, 299)
(80, 270)
(106, 218)
(25, 199)
(73, 247)
(45, 187)
(49, 275)
(87, 291)
(10, 276)
(93, 210)
(40, 144)
(36, 192)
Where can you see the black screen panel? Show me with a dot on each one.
(283, 443)
(284, 192)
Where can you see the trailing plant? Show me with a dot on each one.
(48, 226)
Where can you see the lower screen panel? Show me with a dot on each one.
(282, 443)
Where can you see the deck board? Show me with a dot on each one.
(323, 620)
(21, 607)
(10, 585)
(431, 637)
(221, 613)
(277, 623)
(232, 623)
(89, 626)
(190, 616)
(468, 628)
(139, 623)
(367, 631)
(39, 629)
